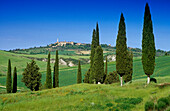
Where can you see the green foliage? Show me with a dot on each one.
(56, 72)
(113, 77)
(93, 46)
(48, 74)
(79, 78)
(127, 103)
(14, 89)
(98, 65)
(8, 78)
(105, 74)
(149, 106)
(161, 105)
(133, 101)
(166, 53)
(166, 100)
(121, 48)
(129, 67)
(97, 35)
(86, 76)
(148, 44)
(32, 76)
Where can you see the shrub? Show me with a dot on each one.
(149, 106)
(161, 105)
(87, 75)
(32, 76)
(113, 77)
(133, 101)
(165, 100)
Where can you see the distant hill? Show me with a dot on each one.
(71, 48)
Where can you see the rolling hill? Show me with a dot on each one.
(68, 74)
(87, 97)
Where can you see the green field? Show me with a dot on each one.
(71, 96)
(68, 74)
(87, 97)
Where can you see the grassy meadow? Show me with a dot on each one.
(87, 97)
(68, 74)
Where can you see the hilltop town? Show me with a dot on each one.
(64, 43)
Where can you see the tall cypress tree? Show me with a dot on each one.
(105, 74)
(54, 77)
(93, 46)
(56, 72)
(79, 78)
(129, 67)
(8, 78)
(97, 35)
(98, 65)
(148, 44)
(121, 49)
(14, 89)
(48, 74)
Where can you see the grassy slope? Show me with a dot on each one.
(68, 74)
(84, 97)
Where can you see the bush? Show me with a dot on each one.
(133, 101)
(32, 76)
(165, 100)
(113, 77)
(149, 106)
(161, 105)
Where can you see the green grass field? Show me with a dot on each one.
(71, 96)
(87, 97)
(68, 74)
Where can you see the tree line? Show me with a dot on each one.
(124, 58)
(96, 73)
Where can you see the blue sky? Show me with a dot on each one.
(29, 23)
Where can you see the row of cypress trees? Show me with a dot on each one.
(11, 86)
(48, 83)
(124, 58)
(96, 71)
(32, 76)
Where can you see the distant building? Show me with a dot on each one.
(64, 43)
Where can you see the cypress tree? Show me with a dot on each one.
(56, 72)
(79, 78)
(8, 78)
(106, 67)
(48, 74)
(148, 44)
(87, 75)
(54, 77)
(98, 65)
(93, 46)
(14, 89)
(121, 49)
(97, 35)
(129, 67)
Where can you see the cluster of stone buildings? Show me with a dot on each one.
(64, 43)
